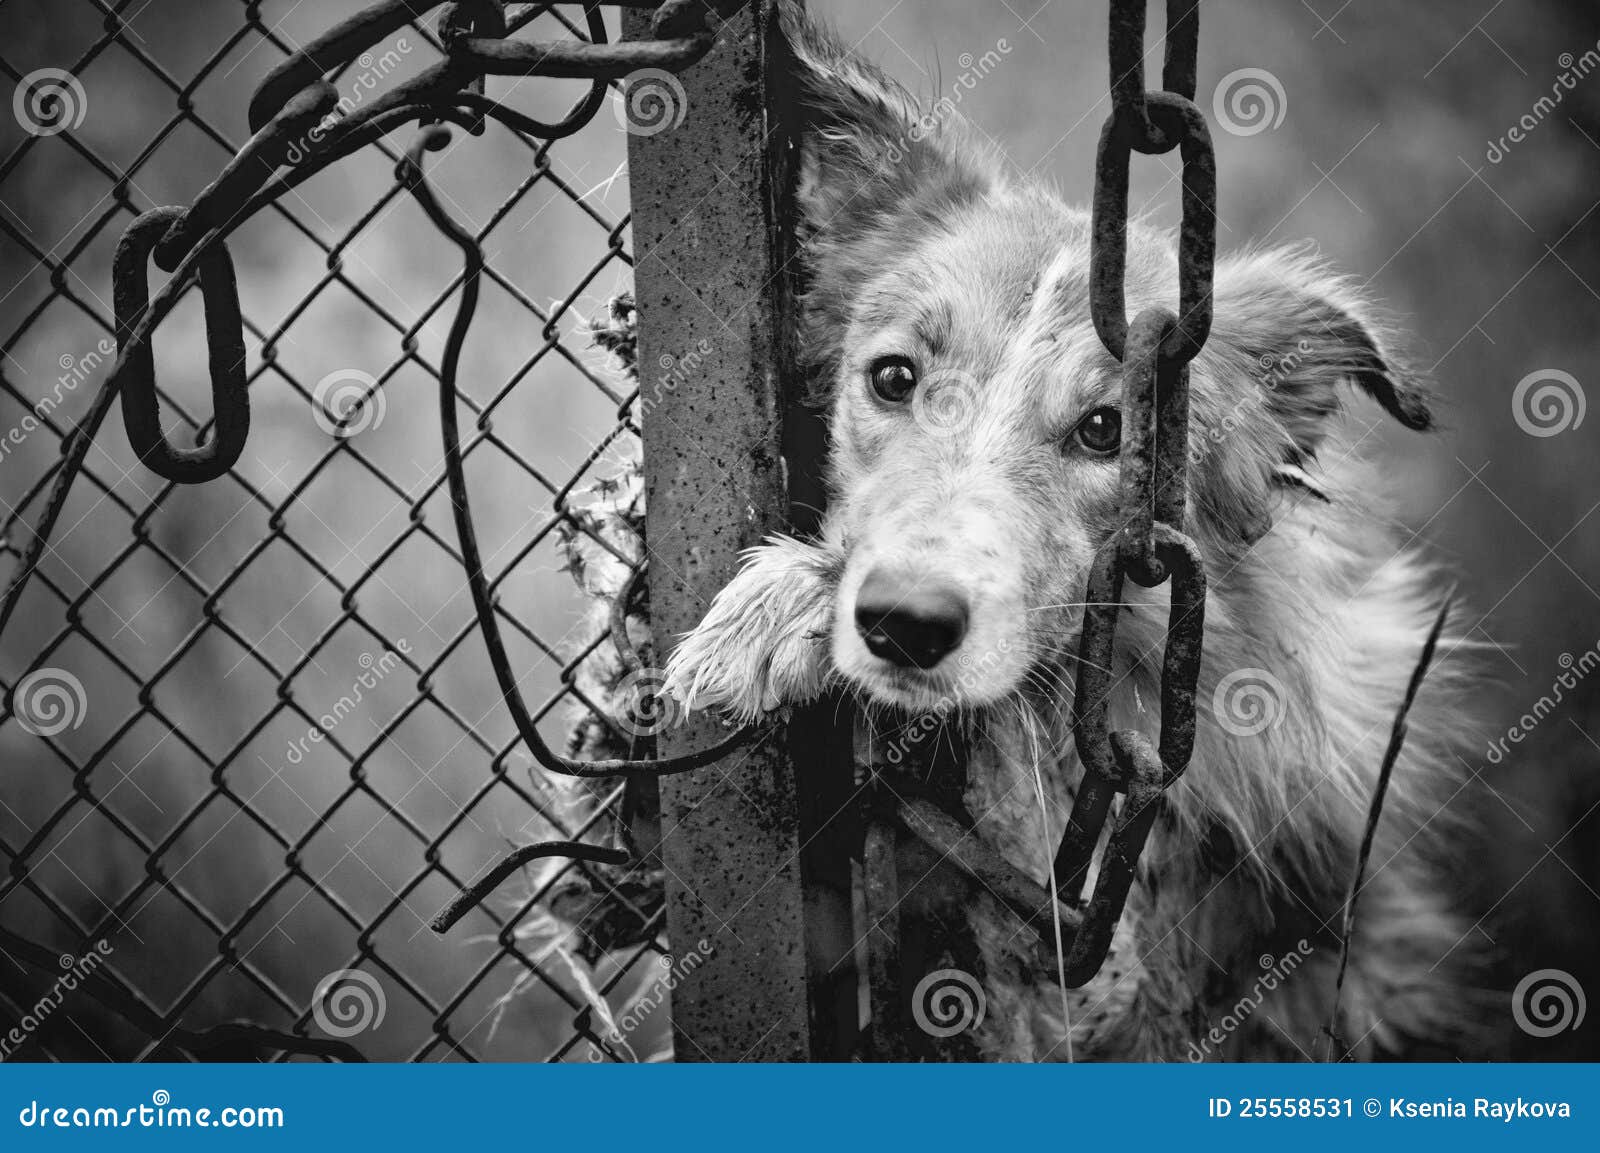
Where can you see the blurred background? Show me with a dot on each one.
(1446, 153)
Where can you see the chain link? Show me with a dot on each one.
(1151, 548)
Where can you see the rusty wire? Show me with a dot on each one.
(191, 244)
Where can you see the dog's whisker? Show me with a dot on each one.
(1081, 605)
(1092, 665)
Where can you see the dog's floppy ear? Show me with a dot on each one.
(1302, 332)
(875, 169)
(869, 151)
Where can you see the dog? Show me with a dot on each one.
(974, 421)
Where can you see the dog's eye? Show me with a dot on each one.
(893, 378)
(1101, 430)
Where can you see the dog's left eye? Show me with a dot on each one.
(1101, 430)
(893, 378)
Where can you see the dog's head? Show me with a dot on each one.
(975, 416)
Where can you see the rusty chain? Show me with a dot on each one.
(1150, 547)
(1155, 350)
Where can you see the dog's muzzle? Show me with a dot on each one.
(908, 622)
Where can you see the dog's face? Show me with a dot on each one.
(976, 417)
(975, 426)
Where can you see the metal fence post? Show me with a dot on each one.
(710, 239)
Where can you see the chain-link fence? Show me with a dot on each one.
(251, 742)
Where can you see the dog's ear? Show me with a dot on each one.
(869, 152)
(1300, 332)
(875, 169)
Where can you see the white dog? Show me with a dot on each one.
(975, 427)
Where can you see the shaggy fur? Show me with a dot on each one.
(917, 245)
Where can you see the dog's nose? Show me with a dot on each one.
(912, 623)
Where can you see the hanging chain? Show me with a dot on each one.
(1151, 548)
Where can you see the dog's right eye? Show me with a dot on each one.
(1101, 431)
(893, 378)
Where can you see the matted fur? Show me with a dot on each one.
(916, 244)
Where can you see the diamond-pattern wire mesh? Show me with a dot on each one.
(290, 752)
